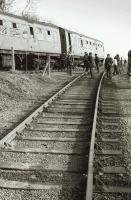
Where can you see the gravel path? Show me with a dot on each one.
(123, 93)
(54, 194)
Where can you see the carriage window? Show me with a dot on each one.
(14, 25)
(81, 43)
(90, 43)
(1, 22)
(48, 32)
(31, 31)
(86, 42)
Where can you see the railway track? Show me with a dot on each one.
(67, 149)
(108, 174)
(46, 156)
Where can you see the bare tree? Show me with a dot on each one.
(26, 7)
(30, 7)
(6, 5)
(29, 12)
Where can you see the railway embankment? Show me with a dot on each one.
(21, 93)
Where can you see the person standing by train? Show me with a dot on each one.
(129, 64)
(86, 61)
(125, 65)
(115, 66)
(117, 57)
(121, 65)
(97, 62)
(36, 64)
(69, 62)
(91, 64)
(108, 65)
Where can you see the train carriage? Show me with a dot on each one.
(39, 39)
(27, 36)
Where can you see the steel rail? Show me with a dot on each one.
(11, 135)
(89, 187)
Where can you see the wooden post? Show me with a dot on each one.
(13, 59)
(38, 57)
(45, 69)
(38, 62)
(48, 66)
(26, 64)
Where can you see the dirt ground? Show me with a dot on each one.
(21, 93)
(122, 85)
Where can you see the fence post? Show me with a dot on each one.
(13, 59)
(48, 70)
(26, 62)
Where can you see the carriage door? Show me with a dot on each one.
(69, 37)
(63, 40)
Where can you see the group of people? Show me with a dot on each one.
(90, 62)
(67, 61)
(117, 63)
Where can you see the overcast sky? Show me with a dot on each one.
(107, 20)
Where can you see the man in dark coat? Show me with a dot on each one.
(86, 61)
(129, 63)
(108, 65)
(97, 61)
(91, 64)
(69, 63)
(117, 57)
